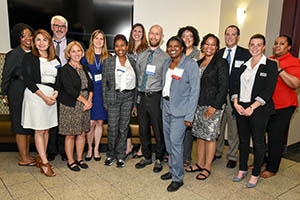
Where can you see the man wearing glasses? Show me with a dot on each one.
(59, 27)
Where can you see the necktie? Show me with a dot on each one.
(228, 58)
(57, 48)
(145, 75)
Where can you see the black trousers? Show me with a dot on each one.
(277, 128)
(149, 113)
(253, 126)
(56, 142)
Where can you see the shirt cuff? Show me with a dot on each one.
(260, 100)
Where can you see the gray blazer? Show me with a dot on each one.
(184, 93)
(109, 82)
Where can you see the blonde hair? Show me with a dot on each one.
(69, 47)
(50, 50)
(90, 53)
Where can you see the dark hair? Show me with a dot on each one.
(208, 36)
(193, 30)
(258, 36)
(288, 39)
(120, 37)
(144, 44)
(233, 26)
(17, 32)
(178, 39)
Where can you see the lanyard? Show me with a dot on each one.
(98, 64)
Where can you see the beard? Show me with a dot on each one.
(154, 44)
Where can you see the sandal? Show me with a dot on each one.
(82, 164)
(30, 164)
(190, 169)
(73, 166)
(204, 176)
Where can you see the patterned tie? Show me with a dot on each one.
(145, 75)
(57, 48)
(228, 58)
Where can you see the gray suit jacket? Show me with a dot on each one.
(109, 82)
(184, 93)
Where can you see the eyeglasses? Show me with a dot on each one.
(59, 26)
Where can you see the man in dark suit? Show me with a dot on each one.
(59, 27)
(235, 56)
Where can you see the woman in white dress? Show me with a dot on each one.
(39, 111)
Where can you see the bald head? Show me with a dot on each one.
(155, 36)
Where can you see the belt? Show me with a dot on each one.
(48, 84)
(149, 93)
(167, 98)
(118, 90)
(84, 89)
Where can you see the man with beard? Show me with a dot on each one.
(149, 67)
(59, 27)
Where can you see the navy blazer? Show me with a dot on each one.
(264, 85)
(184, 93)
(241, 54)
(214, 83)
(71, 84)
(109, 81)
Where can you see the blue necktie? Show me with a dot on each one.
(228, 58)
(145, 75)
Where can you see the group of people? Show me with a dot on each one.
(180, 95)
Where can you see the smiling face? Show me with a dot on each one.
(26, 39)
(231, 37)
(188, 38)
(41, 42)
(174, 49)
(75, 53)
(256, 47)
(155, 36)
(210, 46)
(137, 33)
(59, 29)
(281, 47)
(120, 48)
(98, 41)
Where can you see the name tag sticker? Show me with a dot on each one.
(150, 70)
(177, 73)
(55, 63)
(238, 63)
(263, 74)
(98, 77)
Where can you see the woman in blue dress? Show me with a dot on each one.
(94, 58)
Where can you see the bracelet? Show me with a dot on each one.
(281, 70)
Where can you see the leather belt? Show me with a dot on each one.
(149, 93)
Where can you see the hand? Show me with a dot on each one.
(134, 112)
(87, 106)
(209, 113)
(49, 100)
(188, 124)
(5, 100)
(248, 111)
(240, 109)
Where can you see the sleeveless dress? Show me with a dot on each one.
(97, 112)
(73, 120)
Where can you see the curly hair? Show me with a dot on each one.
(17, 32)
(193, 30)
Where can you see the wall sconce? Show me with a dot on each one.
(240, 16)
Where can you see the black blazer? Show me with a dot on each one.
(214, 83)
(241, 54)
(264, 85)
(71, 84)
(32, 72)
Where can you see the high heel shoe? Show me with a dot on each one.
(239, 179)
(38, 161)
(252, 185)
(47, 170)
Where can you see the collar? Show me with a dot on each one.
(263, 60)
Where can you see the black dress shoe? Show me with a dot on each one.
(157, 166)
(166, 176)
(143, 163)
(64, 157)
(174, 186)
(231, 164)
(88, 158)
(51, 156)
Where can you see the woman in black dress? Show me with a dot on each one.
(12, 88)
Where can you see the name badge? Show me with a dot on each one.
(98, 77)
(150, 70)
(55, 63)
(238, 63)
(263, 74)
(177, 73)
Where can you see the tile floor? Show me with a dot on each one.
(102, 182)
